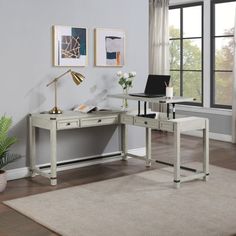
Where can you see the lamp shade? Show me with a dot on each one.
(77, 77)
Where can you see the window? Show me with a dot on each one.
(222, 53)
(186, 57)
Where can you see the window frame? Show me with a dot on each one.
(181, 39)
(212, 56)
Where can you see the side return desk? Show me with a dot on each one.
(170, 123)
(77, 120)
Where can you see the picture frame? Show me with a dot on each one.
(109, 47)
(70, 46)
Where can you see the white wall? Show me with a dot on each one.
(26, 68)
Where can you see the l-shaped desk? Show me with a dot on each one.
(75, 120)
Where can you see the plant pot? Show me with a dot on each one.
(3, 180)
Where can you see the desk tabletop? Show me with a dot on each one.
(153, 100)
(72, 115)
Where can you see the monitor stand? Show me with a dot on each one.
(149, 115)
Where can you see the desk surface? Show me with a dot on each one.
(73, 115)
(153, 100)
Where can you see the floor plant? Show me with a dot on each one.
(5, 143)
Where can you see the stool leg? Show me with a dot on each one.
(177, 156)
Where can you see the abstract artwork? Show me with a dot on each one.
(70, 46)
(109, 47)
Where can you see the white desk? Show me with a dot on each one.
(75, 120)
(176, 126)
(171, 125)
(153, 100)
(55, 123)
(165, 100)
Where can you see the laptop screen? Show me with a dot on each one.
(156, 84)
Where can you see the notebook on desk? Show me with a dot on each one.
(155, 86)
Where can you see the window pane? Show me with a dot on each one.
(175, 81)
(192, 21)
(224, 51)
(174, 23)
(175, 54)
(192, 85)
(223, 88)
(192, 55)
(224, 18)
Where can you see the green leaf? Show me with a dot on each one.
(5, 123)
(6, 142)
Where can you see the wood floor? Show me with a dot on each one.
(14, 224)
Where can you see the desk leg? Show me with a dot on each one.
(138, 108)
(148, 147)
(206, 150)
(177, 156)
(173, 110)
(53, 146)
(168, 110)
(32, 147)
(124, 138)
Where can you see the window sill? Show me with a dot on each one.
(217, 111)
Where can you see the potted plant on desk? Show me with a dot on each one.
(126, 82)
(5, 143)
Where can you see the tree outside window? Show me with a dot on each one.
(186, 50)
(223, 13)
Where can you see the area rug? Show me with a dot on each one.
(143, 204)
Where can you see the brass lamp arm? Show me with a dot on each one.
(57, 78)
(77, 78)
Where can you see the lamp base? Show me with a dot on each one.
(55, 110)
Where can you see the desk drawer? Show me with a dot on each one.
(166, 126)
(67, 124)
(146, 122)
(87, 122)
(127, 119)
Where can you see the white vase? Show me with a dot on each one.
(3, 180)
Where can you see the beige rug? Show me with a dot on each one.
(144, 204)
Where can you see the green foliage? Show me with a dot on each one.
(224, 58)
(126, 79)
(125, 83)
(191, 61)
(6, 142)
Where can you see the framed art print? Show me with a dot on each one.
(70, 46)
(109, 47)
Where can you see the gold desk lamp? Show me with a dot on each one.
(77, 78)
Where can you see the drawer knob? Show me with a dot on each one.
(99, 120)
(68, 123)
(145, 123)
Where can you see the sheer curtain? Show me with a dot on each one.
(159, 37)
(159, 41)
(234, 88)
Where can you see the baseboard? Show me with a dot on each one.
(63, 165)
(18, 173)
(215, 136)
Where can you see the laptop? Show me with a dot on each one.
(155, 86)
